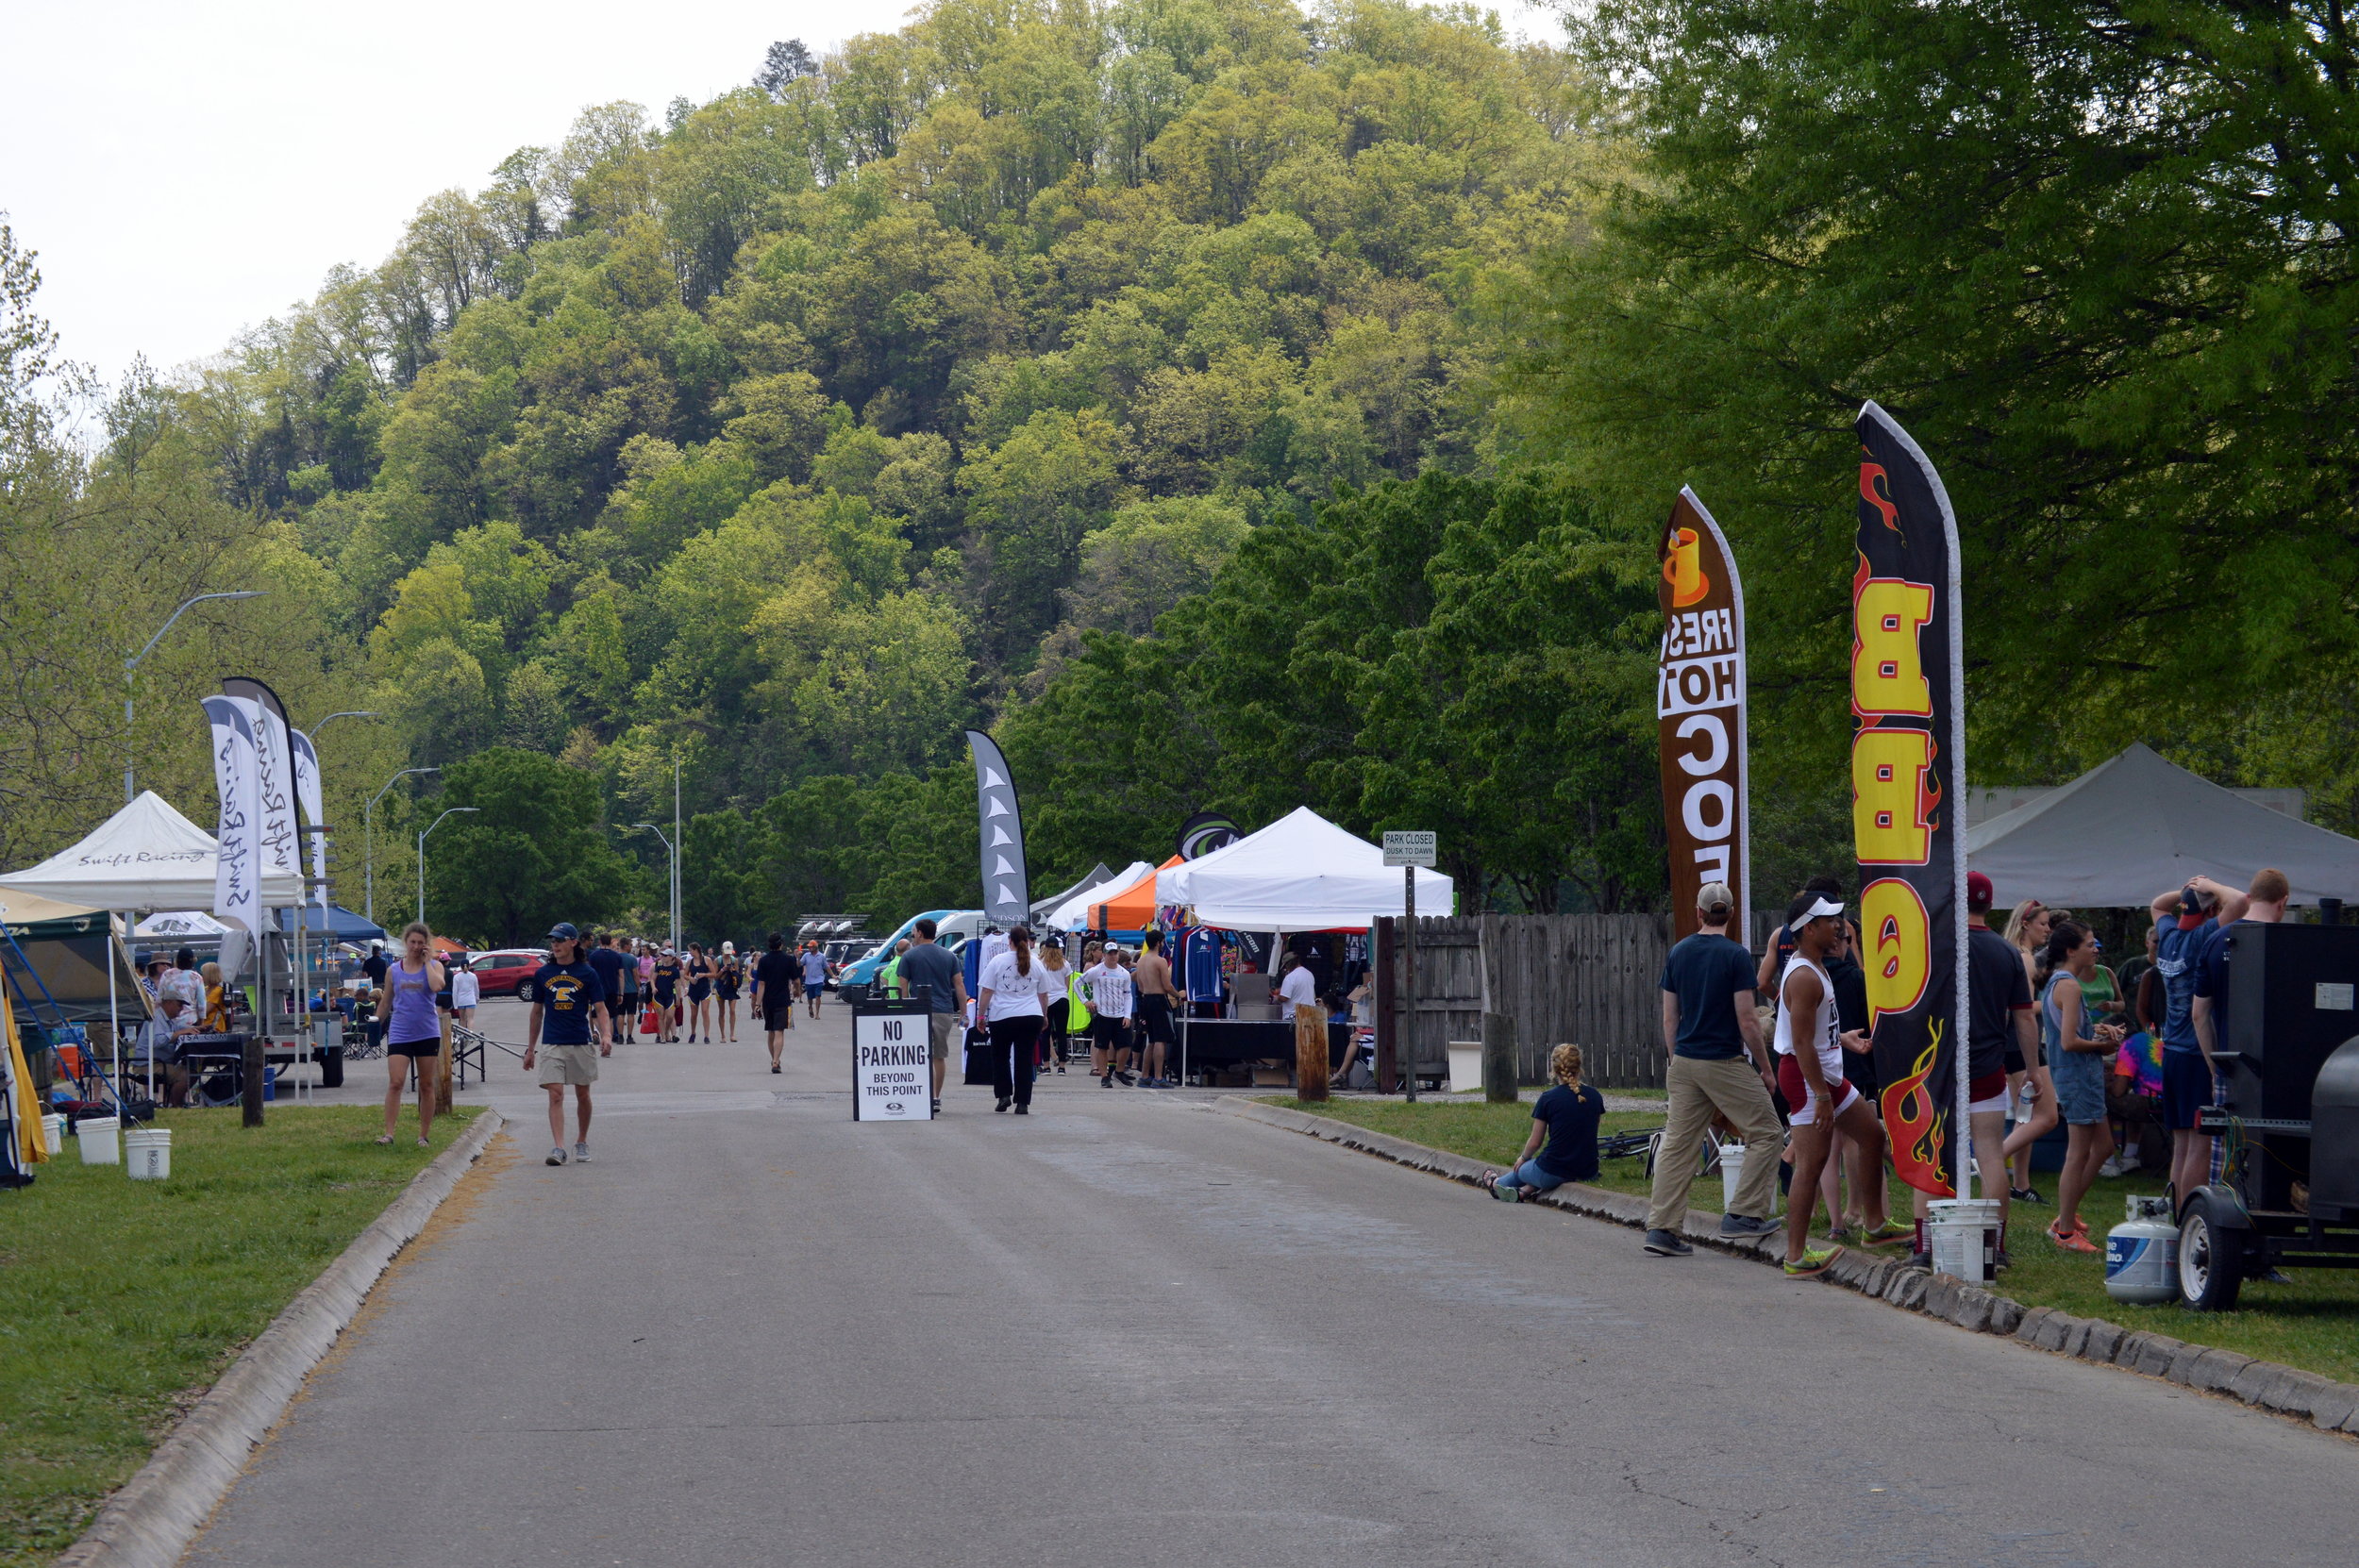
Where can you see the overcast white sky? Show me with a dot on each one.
(188, 168)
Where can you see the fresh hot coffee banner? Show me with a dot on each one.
(1908, 754)
(1699, 705)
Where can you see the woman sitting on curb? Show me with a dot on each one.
(1566, 1117)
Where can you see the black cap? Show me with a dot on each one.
(564, 931)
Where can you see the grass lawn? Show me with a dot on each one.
(2312, 1323)
(121, 1301)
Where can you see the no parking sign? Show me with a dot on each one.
(892, 1075)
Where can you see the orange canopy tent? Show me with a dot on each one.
(1130, 908)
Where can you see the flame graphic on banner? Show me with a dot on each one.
(1916, 1122)
(1875, 488)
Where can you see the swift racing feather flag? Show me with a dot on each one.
(274, 777)
(1908, 766)
(1006, 892)
(237, 860)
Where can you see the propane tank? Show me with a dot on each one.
(2142, 1254)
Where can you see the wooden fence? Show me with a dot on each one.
(1590, 980)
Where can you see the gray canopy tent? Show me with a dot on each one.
(2129, 828)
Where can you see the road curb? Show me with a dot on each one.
(2327, 1405)
(150, 1521)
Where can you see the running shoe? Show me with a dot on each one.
(581, 1154)
(1665, 1243)
(1745, 1225)
(2115, 1167)
(2072, 1241)
(937, 1107)
(557, 1156)
(1813, 1261)
(2025, 1194)
(1888, 1232)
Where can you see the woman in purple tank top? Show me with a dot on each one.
(414, 1028)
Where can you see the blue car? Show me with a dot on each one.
(950, 925)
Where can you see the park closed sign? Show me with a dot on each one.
(892, 1075)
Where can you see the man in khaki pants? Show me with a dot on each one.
(1710, 1031)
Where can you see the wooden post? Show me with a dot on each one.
(252, 1096)
(1311, 1063)
(441, 1062)
(1499, 1057)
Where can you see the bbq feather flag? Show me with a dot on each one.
(1908, 762)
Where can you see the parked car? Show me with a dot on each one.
(856, 977)
(507, 971)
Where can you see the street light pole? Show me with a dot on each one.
(671, 864)
(430, 826)
(132, 663)
(368, 831)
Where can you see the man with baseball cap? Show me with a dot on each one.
(568, 1022)
(1710, 1029)
(2192, 917)
(1998, 1011)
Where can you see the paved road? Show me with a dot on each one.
(1133, 1329)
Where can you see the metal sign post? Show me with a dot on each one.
(1409, 851)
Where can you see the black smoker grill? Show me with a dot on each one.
(2289, 1196)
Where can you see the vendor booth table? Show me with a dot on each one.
(1300, 877)
(1214, 1044)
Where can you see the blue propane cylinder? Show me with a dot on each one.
(2142, 1254)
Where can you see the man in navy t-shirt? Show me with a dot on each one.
(2265, 905)
(610, 964)
(2191, 917)
(1709, 1030)
(567, 1030)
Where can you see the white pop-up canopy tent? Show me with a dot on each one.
(2138, 825)
(1071, 912)
(1301, 872)
(145, 856)
(1043, 910)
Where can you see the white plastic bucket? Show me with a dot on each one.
(1465, 1066)
(147, 1154)
(53, 1135)
(96, 1134)
(1732, 1174)
(1964, 1233)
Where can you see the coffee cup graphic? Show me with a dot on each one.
(1683, 568)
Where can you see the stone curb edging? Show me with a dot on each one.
(151, 1519)
(2285, 1391)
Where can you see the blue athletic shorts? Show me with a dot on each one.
(2186, 1088)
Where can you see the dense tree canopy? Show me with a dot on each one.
(2094, 256)
(1234, 405)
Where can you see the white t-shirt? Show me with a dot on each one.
(1016, 996)
(465, 990)
(1109, 988)
(1300, 989)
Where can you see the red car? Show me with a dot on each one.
(507, 971)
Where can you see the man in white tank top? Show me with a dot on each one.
(1810, 1074)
